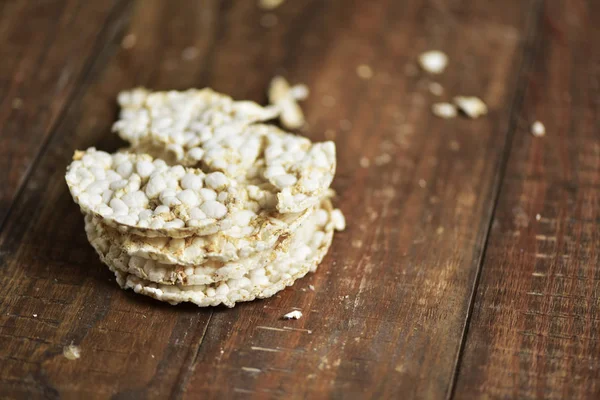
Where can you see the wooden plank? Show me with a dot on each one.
(390, 300)
(46, 46)
(535, 325)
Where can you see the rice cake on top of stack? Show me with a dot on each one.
(208, 205)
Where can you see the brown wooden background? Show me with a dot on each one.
(444, 285)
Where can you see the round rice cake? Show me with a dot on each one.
(231, 245)
(261, 282)
(180, 121)
(145, 196)
(298, 245)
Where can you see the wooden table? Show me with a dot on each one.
(470, 267)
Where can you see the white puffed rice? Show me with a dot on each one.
(285, 98)
(160, 197)
(296, 314)
(433, 61)
(473, 107)
(181, 121)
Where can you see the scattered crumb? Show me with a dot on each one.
(473, 107)
(72, 352)
(330, 134)
(538, 129)
(284, 97)
(435, 89)
(129, 41)
(311, 287)
(328, 101)
(364, 71)
(383, 159)
(364, 162)
(35, 315)
(538, 217)
(189, 53)
(433, 61)
(422, 183)
(17, 103)
(444, 110)
(268, 20)
(439, 230)
(338, 220)
(357, 243)
(454, 145)
(269, 4)
(345, 125)
(434, 199)
(296, 314)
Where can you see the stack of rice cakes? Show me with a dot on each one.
(208, 205)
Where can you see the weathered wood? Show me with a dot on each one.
(390, 300)
(46, 46)
(534, 332)
(386, 316)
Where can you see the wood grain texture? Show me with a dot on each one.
(390, 301)
(535, 328)
(45, 50)
(386, 316)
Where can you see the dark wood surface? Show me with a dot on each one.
(444, 285)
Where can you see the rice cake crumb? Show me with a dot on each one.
(129, 41)
(444, 110)
(285, 97)
(538, 129)
(472, 106)
(296, 314)
(364, 71)
(436, 89)
(270, 4)
(433, 61)
(72, 352)
(364, 162)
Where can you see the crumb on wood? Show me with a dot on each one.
(311, 287)
(538, 217)
(364, 162)
(17, 103)
(285, 97)
(383, 159)
(296, 314)
(269, 4)
(454, 145)
(538, 129)
(330, 134)
(364, 71)
(433, 61)
(72, 352)
(422, 183)
(357, 243)
(472, 106)
(129, 41)
(189, 53)
(435, 89)
(444, 110)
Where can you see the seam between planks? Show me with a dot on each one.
(181, 384)
(100, 46)
(532, 42)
